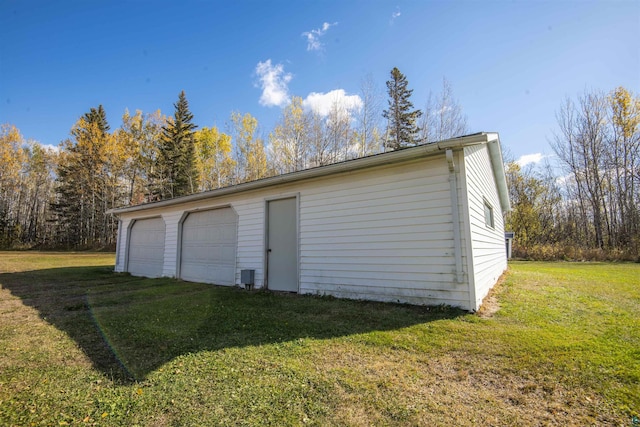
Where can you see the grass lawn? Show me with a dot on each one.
(80, 345)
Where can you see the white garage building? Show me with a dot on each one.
(421, 225)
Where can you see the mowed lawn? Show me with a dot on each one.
(81, 345)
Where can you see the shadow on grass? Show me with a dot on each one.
(129, 326)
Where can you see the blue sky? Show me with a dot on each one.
(510, 63)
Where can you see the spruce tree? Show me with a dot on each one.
(402, 128)
(178, 175)
(99, 117)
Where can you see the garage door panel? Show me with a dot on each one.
(201, 254)
(209, 247)
(146, 248)
(228, 254)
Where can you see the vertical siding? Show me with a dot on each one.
(488, 257)
(385, 234)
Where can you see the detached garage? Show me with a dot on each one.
(422, 225)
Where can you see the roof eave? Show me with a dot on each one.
(346, 166)
(497, 163)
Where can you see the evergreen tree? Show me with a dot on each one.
(99, 117)
(83, 194)
(402, 129)
(176, 169)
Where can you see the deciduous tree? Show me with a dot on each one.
(83, 191)
(139, 136)
(580, 145)
(250, 152)
(289, 141)
(443, 117)
(213, 158)
(623, 154)
(367, 135)
(12, 158)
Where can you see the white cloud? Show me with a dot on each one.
(322, 103)
(313, 36)
(395, 15)
(49, 147)
(530, 158)
(55, 148)
(274, 84)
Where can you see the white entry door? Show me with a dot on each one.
(209, 245)
(282, 245)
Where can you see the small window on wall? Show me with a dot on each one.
(488, 214)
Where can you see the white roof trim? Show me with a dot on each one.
(497, 163)
(397, 156)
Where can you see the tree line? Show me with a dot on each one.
(587, 208)
(590, 208)
(59, 198)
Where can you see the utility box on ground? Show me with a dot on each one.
(247, 278)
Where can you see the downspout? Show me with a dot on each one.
(453, 184)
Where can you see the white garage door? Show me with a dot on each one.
(146, 248)
(209, 242)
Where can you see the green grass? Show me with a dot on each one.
(80, 345)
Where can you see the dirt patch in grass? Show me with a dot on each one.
(491, 303)
(452, 389)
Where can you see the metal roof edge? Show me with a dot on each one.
(391, 157)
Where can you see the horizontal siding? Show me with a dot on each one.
(487, 244)
(399, 294)
(383, 238)
(250, 237)
(400, 219)
(384, 235)
(364, 259)
(376, 253)
(382, 197)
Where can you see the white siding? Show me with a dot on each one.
(458, 160)
(172, 220)
(251, 227)
(384, 234)
(250, 210)
(488, 257)
(123, 241)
